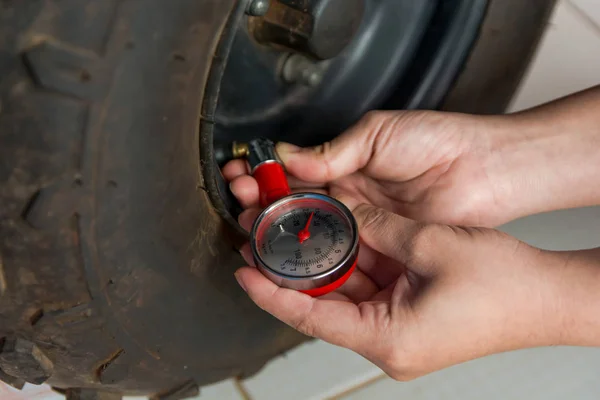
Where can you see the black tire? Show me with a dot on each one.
(116, 273)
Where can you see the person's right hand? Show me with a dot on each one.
(428, 166)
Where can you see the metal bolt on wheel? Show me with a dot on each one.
(258, 8)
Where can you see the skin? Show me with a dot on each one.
(435, 284)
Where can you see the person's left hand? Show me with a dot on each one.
(425, 296)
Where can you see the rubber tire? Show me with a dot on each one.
(116, 273)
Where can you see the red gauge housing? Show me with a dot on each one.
(272, 182)
(307, 241)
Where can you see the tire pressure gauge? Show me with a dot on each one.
(306, 241)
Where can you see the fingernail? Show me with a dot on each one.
(240, 282)
(284, 150)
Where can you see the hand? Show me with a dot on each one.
(427, 166)
(426, 296)
(455, 168)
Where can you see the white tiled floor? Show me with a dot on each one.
(567, 61)
(316, 370)
(29, 392)
(549, 374)
(226, 390)
(590, 9)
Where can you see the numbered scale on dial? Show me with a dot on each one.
(307, 242)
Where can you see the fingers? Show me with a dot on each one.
(247, 217)
(344, 155)
(305, 190)
(245, 189)
(235, 168)
(335, 296)
(379, 268)
(335, 321)
(383, 231)
(296, 183)
(246, 253)
(359, 287)
(242, 185)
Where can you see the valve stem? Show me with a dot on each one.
(240, 149)
(225, 152)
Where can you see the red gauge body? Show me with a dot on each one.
(320, 291)
(272, 182)
(307, 241)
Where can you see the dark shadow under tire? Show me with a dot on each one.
(116, 272)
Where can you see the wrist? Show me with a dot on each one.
(539, 164)
(574, 278)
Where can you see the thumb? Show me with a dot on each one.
(386, 232)
(342, 156)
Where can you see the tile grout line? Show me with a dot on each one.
(584, 15)
(362, 385)
(241, 389)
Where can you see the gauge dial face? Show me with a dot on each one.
(304, 236)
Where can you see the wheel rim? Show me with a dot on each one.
(405, 55)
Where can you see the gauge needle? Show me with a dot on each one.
(304, 234)
(283, 232)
